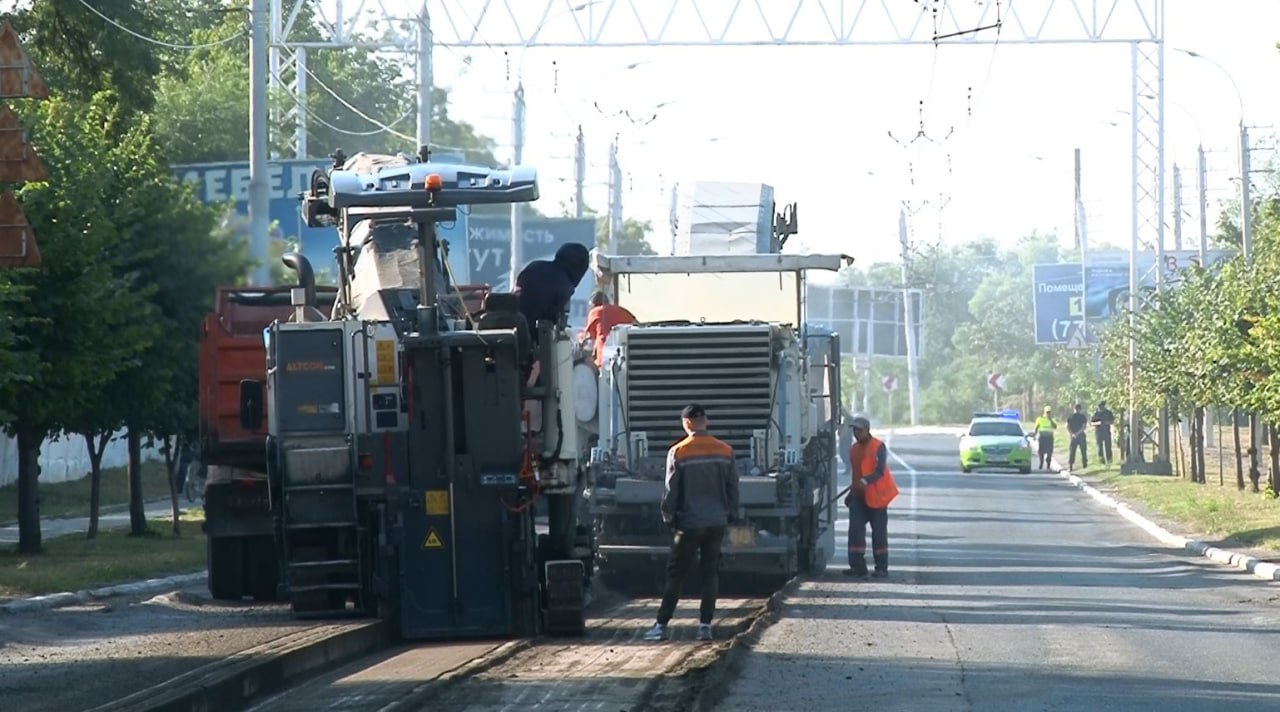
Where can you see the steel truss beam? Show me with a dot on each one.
(636, 23)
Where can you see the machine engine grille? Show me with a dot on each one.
(726, 369)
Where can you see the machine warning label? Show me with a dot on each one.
(386, 356)
(433, 540)
(437, 503)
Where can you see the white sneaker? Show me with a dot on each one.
(657, 632)
(704, 631)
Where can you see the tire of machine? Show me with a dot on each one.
(264, 569)
(226, 557)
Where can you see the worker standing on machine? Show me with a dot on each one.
(546, 286)
(700, 499)
(601, 320)
(872, 490)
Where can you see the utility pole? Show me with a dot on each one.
(913, 384)
(259, 186)
(579, 172)
(1079, 244)
(674, 216)
(1177, 209)
(615, 198)
(517, 218)
(426, 80)
(1202, 188)
(1246, 248)
(1082, 241)
(1246, 209)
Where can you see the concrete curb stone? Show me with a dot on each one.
(1244, 562)
(69, 598)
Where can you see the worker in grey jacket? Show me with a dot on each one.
(700, 499)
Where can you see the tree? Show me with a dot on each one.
(70, 325)
(630, 241)
(80, 53)
(202, 108)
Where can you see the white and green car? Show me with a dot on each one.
(995, 441)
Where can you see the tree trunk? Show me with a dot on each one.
(29, 441)
(1235, 433)
(1200, 444)
(97, 445)
(172, 447)
(137, 510)
(1275, 457)
(1255, 465)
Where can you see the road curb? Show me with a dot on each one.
(1244, 562)
(232, 682)
(70, 598)
(713, 687)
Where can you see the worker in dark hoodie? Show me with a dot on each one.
(546, 286)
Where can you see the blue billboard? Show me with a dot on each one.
(287, 179)
(1060, 313)
(489, 249)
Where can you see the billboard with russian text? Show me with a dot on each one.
(1063, 317)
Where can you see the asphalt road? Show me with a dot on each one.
(1015, 592)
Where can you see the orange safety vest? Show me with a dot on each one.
(880, 493)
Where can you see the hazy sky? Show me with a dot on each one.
(814, 122)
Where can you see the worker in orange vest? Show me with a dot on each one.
(872, 490)
(600, 321)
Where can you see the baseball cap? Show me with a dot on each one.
(860, 423)
(693, 410)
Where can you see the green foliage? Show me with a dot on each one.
(202, 106)
(630, 241)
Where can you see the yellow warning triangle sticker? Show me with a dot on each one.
(432, 541)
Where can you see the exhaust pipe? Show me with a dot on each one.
(306, 276)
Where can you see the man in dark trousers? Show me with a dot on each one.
(1079, 440)
(700, 499)
(546, 286)
(869, 460)
(1102, 421)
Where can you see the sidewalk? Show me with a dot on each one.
(53, 527)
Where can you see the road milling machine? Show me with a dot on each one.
(727, 332)
(409, 435)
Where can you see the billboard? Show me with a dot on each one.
(870, 322)
(489, 252)
(222, 182)
(1060, 310)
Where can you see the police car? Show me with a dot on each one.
(995, 441)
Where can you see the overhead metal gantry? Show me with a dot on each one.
(742, 23)
(635, 23)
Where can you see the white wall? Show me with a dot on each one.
(65, 458)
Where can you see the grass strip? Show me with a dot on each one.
(73, 563)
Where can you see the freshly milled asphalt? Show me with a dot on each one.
(1016, 592)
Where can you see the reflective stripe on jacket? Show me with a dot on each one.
(702, 483)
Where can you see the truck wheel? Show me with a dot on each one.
(226, 568)
(264, 570)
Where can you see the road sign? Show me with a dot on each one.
(995, 381)
(890, 384)
(862, 363)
